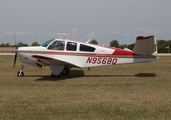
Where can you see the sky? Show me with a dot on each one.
(80, 20)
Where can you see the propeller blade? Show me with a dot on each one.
(15, 58)
(15, 50)
(15, 41)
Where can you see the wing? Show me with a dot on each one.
(47, 60)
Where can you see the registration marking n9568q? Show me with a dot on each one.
(100, 60)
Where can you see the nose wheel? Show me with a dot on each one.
(21, 73)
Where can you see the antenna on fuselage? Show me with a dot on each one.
(88, 40)
(60, 35)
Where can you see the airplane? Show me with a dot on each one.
(63, 54)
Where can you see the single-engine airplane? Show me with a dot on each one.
(62, 54)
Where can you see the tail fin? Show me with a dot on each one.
(144, 45)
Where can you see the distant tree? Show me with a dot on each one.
(20, 44)
(13, 46)
(114, 43)
(94, 42)
(35, 44)
(2, 45)
(131, 46)
(169, 44)
(122, 46)
(7, 45)
(162, 46)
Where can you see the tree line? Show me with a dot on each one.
(163, 45)
(20, 44)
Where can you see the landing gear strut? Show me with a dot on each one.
(21, 73)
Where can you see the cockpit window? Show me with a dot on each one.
(86, 48)
(47, 43)
(57, 45)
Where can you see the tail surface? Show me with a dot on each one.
(144, 45)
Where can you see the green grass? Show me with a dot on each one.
(131, 91)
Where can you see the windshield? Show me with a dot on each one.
(47, 43)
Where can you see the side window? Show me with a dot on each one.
(86, 48)
(57, 45)
(71, 46)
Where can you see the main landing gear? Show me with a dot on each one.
(65, 71)
(21, 73)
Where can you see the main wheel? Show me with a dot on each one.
(20, 74)
(65, 71)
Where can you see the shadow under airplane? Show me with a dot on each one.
(80, 73)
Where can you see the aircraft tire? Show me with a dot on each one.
(65, 71)
(20, 74)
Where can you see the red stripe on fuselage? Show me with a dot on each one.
(117, 52)
(120, 52)
(40, 57)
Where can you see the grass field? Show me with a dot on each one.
(131, 91)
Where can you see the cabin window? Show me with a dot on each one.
(86, 48)
(71, 46)
(57, 45)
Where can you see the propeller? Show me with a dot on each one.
(15, 50)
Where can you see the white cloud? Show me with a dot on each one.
(149, 31)
(57, 34)
(83, 30)
(90, 35)
(142, 31)
(54, 35)
(40, 34)
(77, 33)
(73, 33)
(18, 33)
(74, 30)
(127, 34)
(115, 32)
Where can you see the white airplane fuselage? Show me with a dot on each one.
(76, 54)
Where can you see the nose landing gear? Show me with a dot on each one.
(21, 73)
